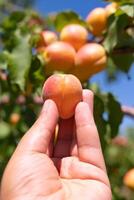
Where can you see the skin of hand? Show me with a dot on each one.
(71, 169)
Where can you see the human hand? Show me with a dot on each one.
(71, 169)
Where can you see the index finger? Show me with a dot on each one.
(89, 147)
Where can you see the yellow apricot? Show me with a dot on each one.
(46, 38)
(65, 90)
(74, 34)
(59, 56)
(14, 118)
(89, 60)
(128, 179)
(97, 20)
(111, 8)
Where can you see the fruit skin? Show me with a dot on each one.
(74, 34)
(65, 90)
(111, 8)
(59, 56)
(97, 20)
(14, 118)
(89, 60)
(47, 38)
(128, 179)
(120, 141)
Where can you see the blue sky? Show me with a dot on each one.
(80, 6)
(123, 88)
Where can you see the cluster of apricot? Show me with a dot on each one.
(72, 51)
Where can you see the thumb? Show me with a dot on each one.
(39, 135)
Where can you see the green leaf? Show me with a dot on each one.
(99, 120)
(17, 16)
(116, 35)
(123, 62)
(115, 114)
(1, 2)
(67, 17)
(111, 69)
(4, 60)
(36, 73)
(121, 1)
(111, 37)
(11, 22)
(128, 9)
(20, 61)
(126, 2)
(4, 130)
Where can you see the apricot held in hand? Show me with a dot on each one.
(65, 90)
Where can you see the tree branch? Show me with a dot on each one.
(125, 50)
(128, 110)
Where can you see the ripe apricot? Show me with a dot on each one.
(21, 100)
(97, 20)
(89, 60)
(59, 56)
(14, 118)
(120, 141)
(65, 90)
(74, 34)
(111, 8)
(128, 179)
(47, 38)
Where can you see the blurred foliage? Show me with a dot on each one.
(68, 17)
(119, 159)
(121, 1)
(22, 74)
(119, 40)
(13, 3)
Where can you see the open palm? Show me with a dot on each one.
(71, 169)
